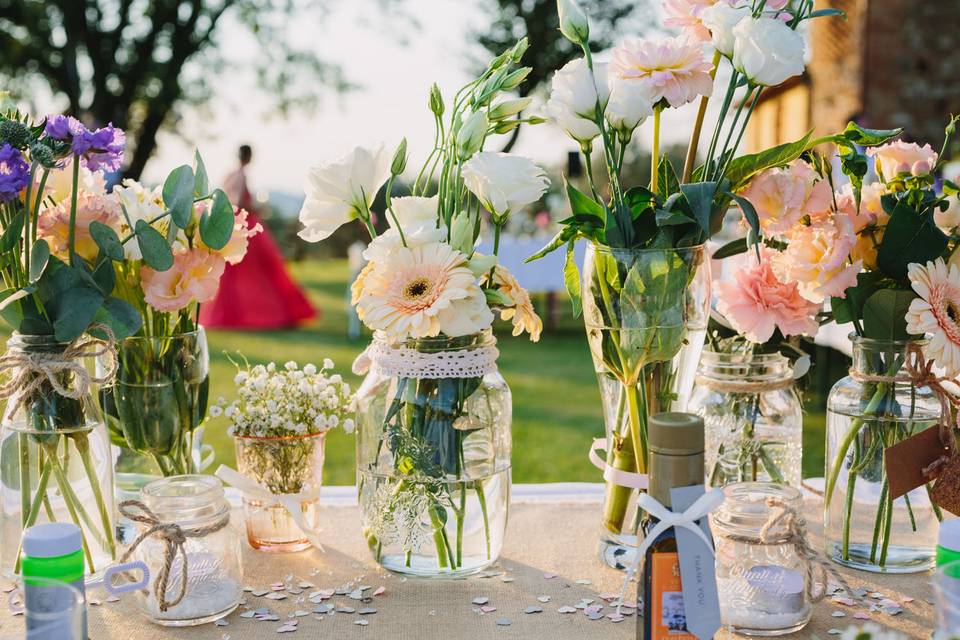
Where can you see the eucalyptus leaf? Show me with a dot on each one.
(39, 258)
(12, 233)
(122, 317)
(178, 195)
(107, 239)
(153, 246)
(571, 278)
(104, 276)
(75, 311)
(216, 223)
(201, 184)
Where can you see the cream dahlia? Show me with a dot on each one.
(671, 69)
(422, 292)
(936, 313)
(521, 312)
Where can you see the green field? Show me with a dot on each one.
(556, 404)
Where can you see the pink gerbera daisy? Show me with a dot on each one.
(936, 313)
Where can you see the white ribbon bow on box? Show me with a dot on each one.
(677, 520)
(253, 490)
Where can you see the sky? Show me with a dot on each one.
(394, 74)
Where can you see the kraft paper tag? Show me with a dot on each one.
(701, 603)
(906, 460)
(946, 491)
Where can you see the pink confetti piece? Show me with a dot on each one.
(549, 576)
(615, 617)
(594, 608)
(908, 599)
(380, 591)
(861, 616)
(609, 597)
(488, 609)
(849, 602)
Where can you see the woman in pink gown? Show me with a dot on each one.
(257, 293)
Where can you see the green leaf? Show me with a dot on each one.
(216, 223)
(104, 276)
(582, 203)
(565, 234)
(122, 317)
(201, 184)
(749, 212)
(39, 257)
(75, 311)
(12, 232)
(820, 13)
(850, 308)
(745, 167)
(153, 246)
(667, 181)
(107, 239)
(699, 196)
(884, 314)
(909, 237)
(855, 134)
(732, 248)
(571, 278)
(178, 195)
(673, 218)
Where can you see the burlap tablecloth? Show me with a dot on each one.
(543, 538)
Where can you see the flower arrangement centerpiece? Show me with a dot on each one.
(434, 415)
(645, 292)
(279, 423)
(186, 235)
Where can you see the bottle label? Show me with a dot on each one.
(668, 619)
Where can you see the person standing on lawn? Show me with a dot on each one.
(256, 293)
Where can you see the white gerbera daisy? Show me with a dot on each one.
(411, 295)
(936, 313)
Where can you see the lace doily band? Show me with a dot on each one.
(404, 362)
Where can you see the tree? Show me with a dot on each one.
(549, 50)
(135, 63)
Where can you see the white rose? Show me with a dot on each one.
(574, 94)
(767, 51)
(573, 22)
(628, 107)
(341, 191)
(503, 182)
(720, 19)
(949, 219)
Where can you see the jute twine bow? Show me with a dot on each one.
(791, 528)
(28, 371)
(918, 371)
(174, 537)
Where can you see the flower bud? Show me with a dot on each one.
(42, 155)
(472, 134)
(519, 49)
(573, 22)
(506, 126)
(436, 100)
(461, 233)
(507, 108)
(515, 78)
(14, 133)
(399, 159)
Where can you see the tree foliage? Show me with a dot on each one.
(549, 50)
(135, 63)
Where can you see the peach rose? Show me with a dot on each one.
(53, 224)
(817, 258)
(868, 223)
(194, 276)
(756, 303)
(898, 157)
(783, 196)
(236, 248)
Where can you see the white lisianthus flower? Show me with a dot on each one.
(413, 212)
(139, 203)
(574, 94)
(629, 106)
(767, 51)
(720, 19)
(341, 191)
(574, 24)
(503, 182)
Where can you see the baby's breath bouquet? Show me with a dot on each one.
(279, 422)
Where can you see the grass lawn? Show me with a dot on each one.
(556, 405)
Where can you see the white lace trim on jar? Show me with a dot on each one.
(404, 362)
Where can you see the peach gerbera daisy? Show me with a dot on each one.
(521, 311)
(671, 69)
(420, 292)
(936, 313)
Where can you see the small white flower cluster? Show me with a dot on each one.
(870, 631)
(275, 402)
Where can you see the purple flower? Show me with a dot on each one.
(14, 173)
(99, 149)
(63, 128)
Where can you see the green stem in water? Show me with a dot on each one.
(69, 501)
(83, 447)
(72, 232)
(482, 500)
(23, 445)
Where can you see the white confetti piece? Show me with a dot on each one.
(507, 579)
(260, 592)
(533, 609)
(287, 628)
(113, 599)
(276, 595)
(834, 632)
(248, 614)
(361, 622)
(543, 599)
(480, 600)
(583, 581)
(220, 623)
(503, 622)
(838, 614)
(300, 613)
(567, 609)
(616, 617)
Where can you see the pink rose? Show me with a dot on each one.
(783, 196)
(756, 302)
(194, 277)
(898, 157)
(868, 223)
(817, 258)
(53, 224)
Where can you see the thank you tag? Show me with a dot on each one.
(697, 571)
(906, 460)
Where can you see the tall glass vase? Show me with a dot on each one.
(645, 313)
(433, 455)
(155, 404)
(864, 527)
(55, 460)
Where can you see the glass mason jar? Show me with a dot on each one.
(753, 417)
(155, 404)
(762, 578)
(55, 461)
(283, 465)
(863, 527)
(214, 585)
(645, 312)
(433, 455)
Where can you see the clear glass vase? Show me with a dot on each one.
(155, 404)
(864, 528)
(753, 417)
(283, 465)
(645, 313)
(433, 461)
(55, 463)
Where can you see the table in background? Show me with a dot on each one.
(552, 530)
